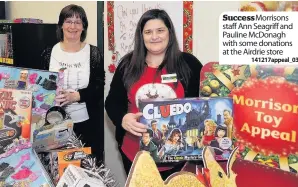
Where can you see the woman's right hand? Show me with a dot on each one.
(59, 99)
(130, 124)
(199, 144)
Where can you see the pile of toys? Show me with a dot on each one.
(37, 144)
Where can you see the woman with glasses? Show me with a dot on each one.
(84, 73)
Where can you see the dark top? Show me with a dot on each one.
(94, 93)
(151, 148)
(116, 103)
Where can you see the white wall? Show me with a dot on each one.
(206, 15)
(112, 157)
(49, 12)
(205, 48)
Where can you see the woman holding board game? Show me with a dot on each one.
(156, 68)
(83, 75)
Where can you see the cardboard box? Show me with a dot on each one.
(78, 177)
(52, 136)
(181, 128)
(23, 166)
(15, 116)
(71, 156)
(42, 84)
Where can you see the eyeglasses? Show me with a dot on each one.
(77, 22)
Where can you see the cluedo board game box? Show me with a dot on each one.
(179, 129)
(265, 110)
(20, 166)
(15, 116)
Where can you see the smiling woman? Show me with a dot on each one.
(156, 38)
(141, 75)
(83, 74)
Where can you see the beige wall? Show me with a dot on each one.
(49, 13)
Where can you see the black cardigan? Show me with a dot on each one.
(94, 92)
(116, 103)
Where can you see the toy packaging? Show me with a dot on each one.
(179, 129)
(6, 21)
(56, 161)
(28, 20)
(20, 166)
(43, 85)
(78, 177)
(15, 116)
(52, 136)
(71, 156)
(265, 110)
(6, 45)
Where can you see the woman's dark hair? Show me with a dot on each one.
(68, 12)
(220, 127)
(150, 132)
(135, 61)
(173, 133)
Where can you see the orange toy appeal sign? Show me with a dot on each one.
(265, 110)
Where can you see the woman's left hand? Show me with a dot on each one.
(68, 97)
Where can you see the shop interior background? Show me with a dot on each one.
(49, 13)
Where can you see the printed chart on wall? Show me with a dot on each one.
(122, 21)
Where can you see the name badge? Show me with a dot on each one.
(168, 78)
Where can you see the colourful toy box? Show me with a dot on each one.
(6, 56)
(71, 156)
(179, 129)
(27, 20)
(20, 166)
(42, 84)
(52, 136)
(56, 166)
(15, 116)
